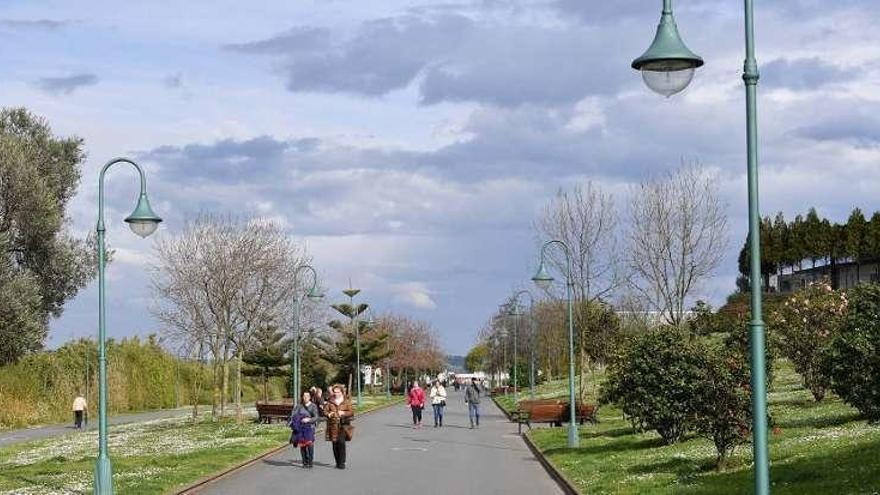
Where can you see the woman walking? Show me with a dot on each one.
(438, 402)
(302, 421)
(416, 402)
(339, 413)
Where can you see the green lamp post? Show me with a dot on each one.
(531, 335)
(370, 323)
(543, 279)
(314, 295)
(143, 222)
(513, 312)
(667, 67)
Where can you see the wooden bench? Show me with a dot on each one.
(552, 411)
(267, 411)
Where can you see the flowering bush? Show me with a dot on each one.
(852, 360)
(806, 324)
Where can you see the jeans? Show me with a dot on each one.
(417, 414)
(78, 419)
(438, 414)
(474, 413)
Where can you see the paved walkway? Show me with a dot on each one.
(387, 456)
(15, 436)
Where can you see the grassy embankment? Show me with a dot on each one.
(816, 448)
(151, 457)
(141, 376)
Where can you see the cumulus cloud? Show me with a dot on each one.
(415, 295)
(67, 84)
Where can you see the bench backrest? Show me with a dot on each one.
(546, 412)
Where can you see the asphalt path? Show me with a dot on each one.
(37, 433)
(388, 456)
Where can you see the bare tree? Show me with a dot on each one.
(677, 238)
(586, 220)
(217, 282)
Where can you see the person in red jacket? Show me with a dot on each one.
(416, 402)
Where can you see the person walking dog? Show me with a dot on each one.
(302, 421)
(472, 398)
(416, 402)
(338, 412)
(438, 402)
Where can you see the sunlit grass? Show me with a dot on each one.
(817, 448)
(148, 458)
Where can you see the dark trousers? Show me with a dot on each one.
(417, 414)
(78, 419)
(339, 450)
(438, 414)
(308, 454)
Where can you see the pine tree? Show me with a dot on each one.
(267, 356)
(856, 239)
(814, 238)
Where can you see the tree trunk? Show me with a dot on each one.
(224, 390)
(238, 412)
(217, 398)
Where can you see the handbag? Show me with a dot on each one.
(348, 431)
(442, 402)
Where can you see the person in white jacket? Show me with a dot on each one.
(438, 402)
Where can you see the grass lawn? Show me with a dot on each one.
(819, 448)
(150, 457)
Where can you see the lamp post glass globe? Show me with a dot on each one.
(143, 221)
(542, 278)
(315, 294)
(667, 77)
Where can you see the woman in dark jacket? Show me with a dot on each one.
(302, 421)
(339, 413)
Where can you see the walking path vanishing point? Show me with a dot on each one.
(387, 456)
(15, 436)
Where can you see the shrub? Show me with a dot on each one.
(806, 323)
(656, 379)
(724, 413)
(852, 360)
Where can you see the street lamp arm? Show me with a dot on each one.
(101, 185)
(314, 276)
(567, 252)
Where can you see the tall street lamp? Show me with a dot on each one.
(143, 222)
(513, 312)
(508, 310)
(531, 337)
(543, 279)
(387, 376)
(314, 295)
(667, 67)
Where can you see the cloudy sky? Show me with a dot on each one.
(410, 144)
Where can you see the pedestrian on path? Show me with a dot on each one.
(438, 402)
(339, 413)
(302, 421)
(472, 398)
(79, 409)
(416, 402)
(318, 399)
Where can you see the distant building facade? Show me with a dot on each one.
(839, 275)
